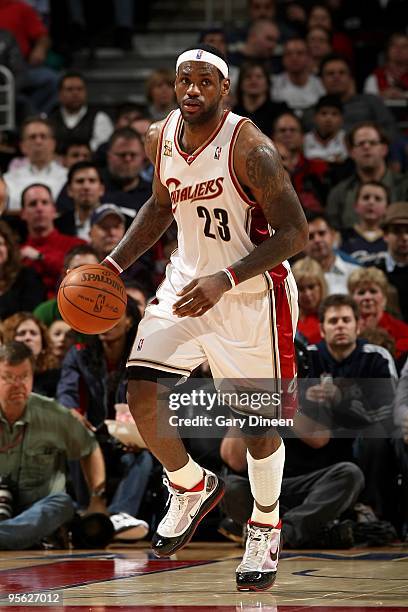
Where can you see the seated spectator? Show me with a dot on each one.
(369, 288)
(294, 15)
(260, 46)
(141, 126)
(296, 86)
(337, 266)
(38, 145)
(368, 148)
(262, 9)
(45, 247)
(73, 118)
(318, 45)
(138, 293)
(3, 195)
(20, 287)
(61, 339)
(51, 435)
(320, 16)
(125, 162)
(380, 337)
(93, 383)
(352, 404)
(390, 81)
(85, 189)
(308, 176)
(337, 80)
(126, 114)
(48, 312)
(31, 34)
(395, 265)
(327, 139)
(107, 229)
(24, 327)
(320, 484)
(75, 150)
(401, 403)
(365, 240)
(401, 421)
(312, 290)
(253, 97)
(160, 93)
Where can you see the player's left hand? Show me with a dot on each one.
(201, 294)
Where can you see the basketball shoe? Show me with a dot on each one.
(186, 510)
(258, 569)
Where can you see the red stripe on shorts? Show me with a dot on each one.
(286, 348)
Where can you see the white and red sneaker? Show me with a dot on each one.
(186, 510)
(257, 570)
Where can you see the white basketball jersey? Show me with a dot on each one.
(218, 224)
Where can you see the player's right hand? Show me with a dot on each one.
(201, 294)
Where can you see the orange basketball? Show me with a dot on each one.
(91, 299)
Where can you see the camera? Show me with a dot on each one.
(6, 498)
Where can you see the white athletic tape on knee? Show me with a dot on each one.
(265, 476)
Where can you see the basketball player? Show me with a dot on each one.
(228, 296)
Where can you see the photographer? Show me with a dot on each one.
(93, 385)
(37, 436)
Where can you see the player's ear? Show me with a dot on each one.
(225, 87)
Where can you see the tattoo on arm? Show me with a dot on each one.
(278, 199)
(150, 223)
(265, 171)
(272, 188)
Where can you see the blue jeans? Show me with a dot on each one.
(36, 522)
(131, 489)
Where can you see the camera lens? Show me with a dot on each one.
(6, 504)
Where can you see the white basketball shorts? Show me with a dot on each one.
(247, 335)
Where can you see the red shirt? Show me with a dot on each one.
(308, 179)
(23, 22)
(53, 249)
(309, 327)
(398, 330)
(385, 81)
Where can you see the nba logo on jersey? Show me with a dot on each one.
(168, 148)
(217, 153)
(199, 54)
(140, 345)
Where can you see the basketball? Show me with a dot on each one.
(91, 299)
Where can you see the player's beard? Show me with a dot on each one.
(201, 118)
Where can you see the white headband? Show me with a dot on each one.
(199, 55)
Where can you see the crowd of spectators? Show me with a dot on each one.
(331, 90)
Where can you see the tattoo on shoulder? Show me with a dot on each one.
(265, 171)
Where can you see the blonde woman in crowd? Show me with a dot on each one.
(370, 289)
(312, 289)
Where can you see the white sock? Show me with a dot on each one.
(265, 477)
(188, 476)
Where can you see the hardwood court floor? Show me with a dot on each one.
(201, 578)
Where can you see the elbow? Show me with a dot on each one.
(303, 236)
